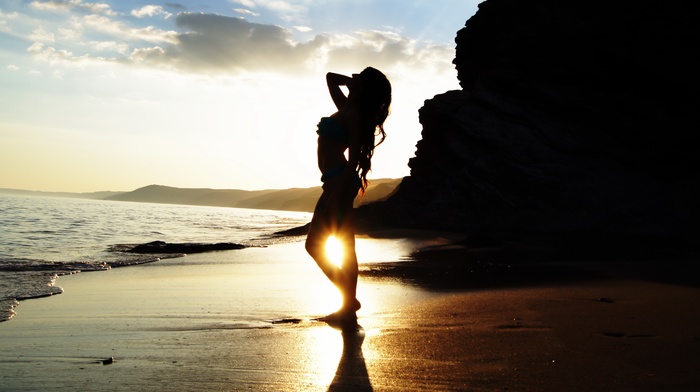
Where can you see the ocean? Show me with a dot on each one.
(42, 238)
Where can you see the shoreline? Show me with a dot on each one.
(204, 322)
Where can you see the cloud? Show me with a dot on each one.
(245, 12)
(289, 11)
(71, 32)
(245, 3)
(385, 50)
(109, 46)
(12, 67)
(122, 31)
(11, 15)
(69, 5)
(54, 6)
(4, 18)
(41, 35)
(176, 6)
(151, 11)
(53, 56)
(281, 6)
(286, 10)
(220, 44)
(148, 56)
(215, 43)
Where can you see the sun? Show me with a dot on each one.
(334, 251)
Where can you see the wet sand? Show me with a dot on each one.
(205, 322)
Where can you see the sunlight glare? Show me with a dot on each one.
(334, 251)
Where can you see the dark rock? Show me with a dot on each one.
(573, 118)
(295, 231)
(163, 247)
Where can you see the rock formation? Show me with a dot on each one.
(575, 117)
(158, 247)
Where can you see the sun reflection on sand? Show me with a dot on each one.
(324, 347)
(333, 358)
(326, 299)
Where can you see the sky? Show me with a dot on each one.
(116, 95)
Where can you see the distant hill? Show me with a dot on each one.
(294, 199)
(87, 195)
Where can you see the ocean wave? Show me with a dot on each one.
(20, 264)
(17, 286)
(7, 308)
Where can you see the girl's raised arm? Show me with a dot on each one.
(334, 82)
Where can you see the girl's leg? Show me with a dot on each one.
(349, 268)
(345, 277)
(316, 242)
(345, 233)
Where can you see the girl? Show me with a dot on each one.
(354, 127)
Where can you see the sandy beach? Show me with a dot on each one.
(205, 322)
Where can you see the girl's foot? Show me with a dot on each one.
(340, 316)
(343, 319)
(346, 314)
(355, 305)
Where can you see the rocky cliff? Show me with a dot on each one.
(574, 117)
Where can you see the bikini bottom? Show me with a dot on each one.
(337, 171)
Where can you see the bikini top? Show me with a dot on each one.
(330, 127)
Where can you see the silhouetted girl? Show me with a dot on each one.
(357, 127)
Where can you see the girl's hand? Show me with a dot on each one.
(337, 79)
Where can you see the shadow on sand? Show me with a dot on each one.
(473, 265)
(351, 374)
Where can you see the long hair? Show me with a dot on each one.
(373, 106)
